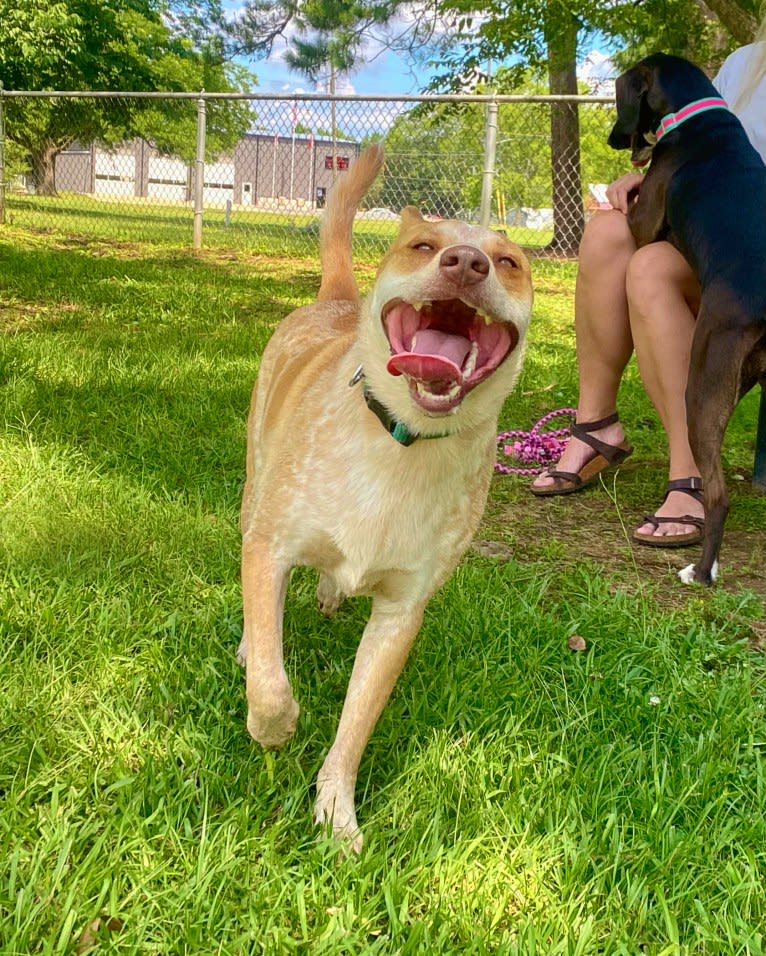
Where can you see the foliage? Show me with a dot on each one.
(523, 158)
(464, 38)
(115, 45)
(682, 27)
(447, 130)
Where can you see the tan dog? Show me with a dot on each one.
(371, 442)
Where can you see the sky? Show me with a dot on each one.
(384, 71)
(387, 73)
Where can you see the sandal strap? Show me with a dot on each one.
(582, 431)
(594, 426)
(689, 486)
(680, 519)
(566, 475)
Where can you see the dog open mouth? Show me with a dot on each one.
(444, 349)
(641, 146)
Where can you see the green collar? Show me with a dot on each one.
(396, 429)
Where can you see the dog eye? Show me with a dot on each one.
(423, 246)
(508, 261)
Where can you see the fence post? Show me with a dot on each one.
(490, 151)
(2, 157)
(199, 173)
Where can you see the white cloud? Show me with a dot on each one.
(599, 72)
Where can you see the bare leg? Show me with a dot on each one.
(664, 298)
(382, 653)
(272, 712)
(602, 328)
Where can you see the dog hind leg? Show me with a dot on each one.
(272, 712)
(380, 657)
(329, 595)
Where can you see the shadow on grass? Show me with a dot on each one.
(146, 366)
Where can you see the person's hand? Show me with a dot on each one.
(623, 192)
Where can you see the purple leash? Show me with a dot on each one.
(535, 449)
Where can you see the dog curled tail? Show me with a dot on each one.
(349, 189)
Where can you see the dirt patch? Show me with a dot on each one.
(589, 527)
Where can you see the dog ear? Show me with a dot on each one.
(411, 215)
(630, 90)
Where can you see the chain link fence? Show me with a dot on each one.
(253, 171)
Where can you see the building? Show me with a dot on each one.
(263, 171)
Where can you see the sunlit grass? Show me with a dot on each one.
(517, 797)
(151, 221)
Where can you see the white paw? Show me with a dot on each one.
(687, 574)
(334, 807)
(273, 724)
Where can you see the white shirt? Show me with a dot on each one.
(729, 81)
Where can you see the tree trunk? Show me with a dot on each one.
(738, 21)
(43, 163)
(568, 209)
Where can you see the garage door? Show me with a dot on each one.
(219, 183)
(168, 179)
(115, 174)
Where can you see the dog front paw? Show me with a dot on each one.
(273, 725)
(689, 574)
(334, 808)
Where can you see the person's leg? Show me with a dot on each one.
(602, 330)
(663, 297)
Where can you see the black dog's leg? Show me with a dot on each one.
(646, 217)
(719, 350)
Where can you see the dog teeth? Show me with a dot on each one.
(447, 397)
(483, 315)
(469, 366)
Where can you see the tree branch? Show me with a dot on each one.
(738, 21)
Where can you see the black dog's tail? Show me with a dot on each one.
(338, 280)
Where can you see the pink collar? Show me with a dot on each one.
(672, 120)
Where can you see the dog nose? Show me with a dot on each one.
(464, 265)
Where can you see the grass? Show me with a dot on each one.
(517, 797)
(282, 232)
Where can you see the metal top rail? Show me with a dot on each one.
(323, 97)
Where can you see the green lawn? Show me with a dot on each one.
(517, 797)
(280, 232)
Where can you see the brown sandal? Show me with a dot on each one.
(567, 482)
(691, 487)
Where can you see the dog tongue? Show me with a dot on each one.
(434, 356)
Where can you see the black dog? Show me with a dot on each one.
(705, 192)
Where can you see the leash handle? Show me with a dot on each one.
(534, 449)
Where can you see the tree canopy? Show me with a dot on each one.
(464, 36)
(468, 39)
(112, 45)
(184, 45)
